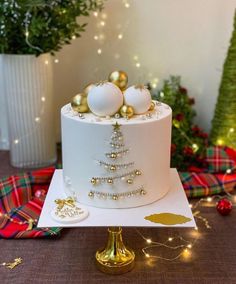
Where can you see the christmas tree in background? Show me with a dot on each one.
(114, 168)
(223, 130)
(188, 140)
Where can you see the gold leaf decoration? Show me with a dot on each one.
(167, 218)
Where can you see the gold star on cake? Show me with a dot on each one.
(116, 126)
(140, 86)
(100, 83)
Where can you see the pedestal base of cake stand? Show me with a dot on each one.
(115, 258)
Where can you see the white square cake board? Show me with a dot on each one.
(174, 202)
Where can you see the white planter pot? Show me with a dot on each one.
(29, 95)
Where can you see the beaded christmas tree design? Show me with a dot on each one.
(116, 170)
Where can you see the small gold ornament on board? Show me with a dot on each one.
(79, 103)
(119, 78)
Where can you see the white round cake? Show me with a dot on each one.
(116, 162)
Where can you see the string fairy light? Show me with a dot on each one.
(27, 34)
(184, 246)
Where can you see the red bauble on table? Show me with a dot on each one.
(224, 206)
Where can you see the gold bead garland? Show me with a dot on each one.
(30, 222)
(116, 145)
(110, 180)
(115, 155)
(117, 196)
(115, 167)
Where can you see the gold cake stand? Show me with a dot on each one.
(115, 258)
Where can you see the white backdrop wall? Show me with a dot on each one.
(179, 37)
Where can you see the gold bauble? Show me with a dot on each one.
(119, 78)
(126, 111)
(152, 106)
(79, 103)
(88, 88)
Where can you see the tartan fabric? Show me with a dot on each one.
(219, 159)
(15, 191)
(18, 200)
(203, 184)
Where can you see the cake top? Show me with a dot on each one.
(159, 112)
(106, 102)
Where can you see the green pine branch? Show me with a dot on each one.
(51, 24)
(223, 130)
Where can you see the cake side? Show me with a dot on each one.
(86, 141)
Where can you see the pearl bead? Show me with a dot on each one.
(110, 180)
(129, 181)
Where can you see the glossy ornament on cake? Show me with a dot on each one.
(139, 98)
(79, 103)
(126, 111)
(88, 88)
(105, 99)
(119, 78)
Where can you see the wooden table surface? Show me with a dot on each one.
(70, 257)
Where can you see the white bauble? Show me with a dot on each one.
(139, 98)
(105, 99)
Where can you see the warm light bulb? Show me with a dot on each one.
(95, 14)
(37, 119)
(43, 99)
(99, 51)
(73, 37)
(102, 23)
(149, 241)
(138, 65)
(127, 5)
(209, 199)
(231, 130)
(147, 255)
(186, 253)
(46, 62)
(27, 34)
(196, 228)
(220, 142)
(16, 141)
(120, 36)
(228, 171)
(170, 239)
(191, 205)
(95, 37)
(195, 147)
(56, 60)
(189, 246)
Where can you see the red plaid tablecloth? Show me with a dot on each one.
(220, 159)
(19, 199)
